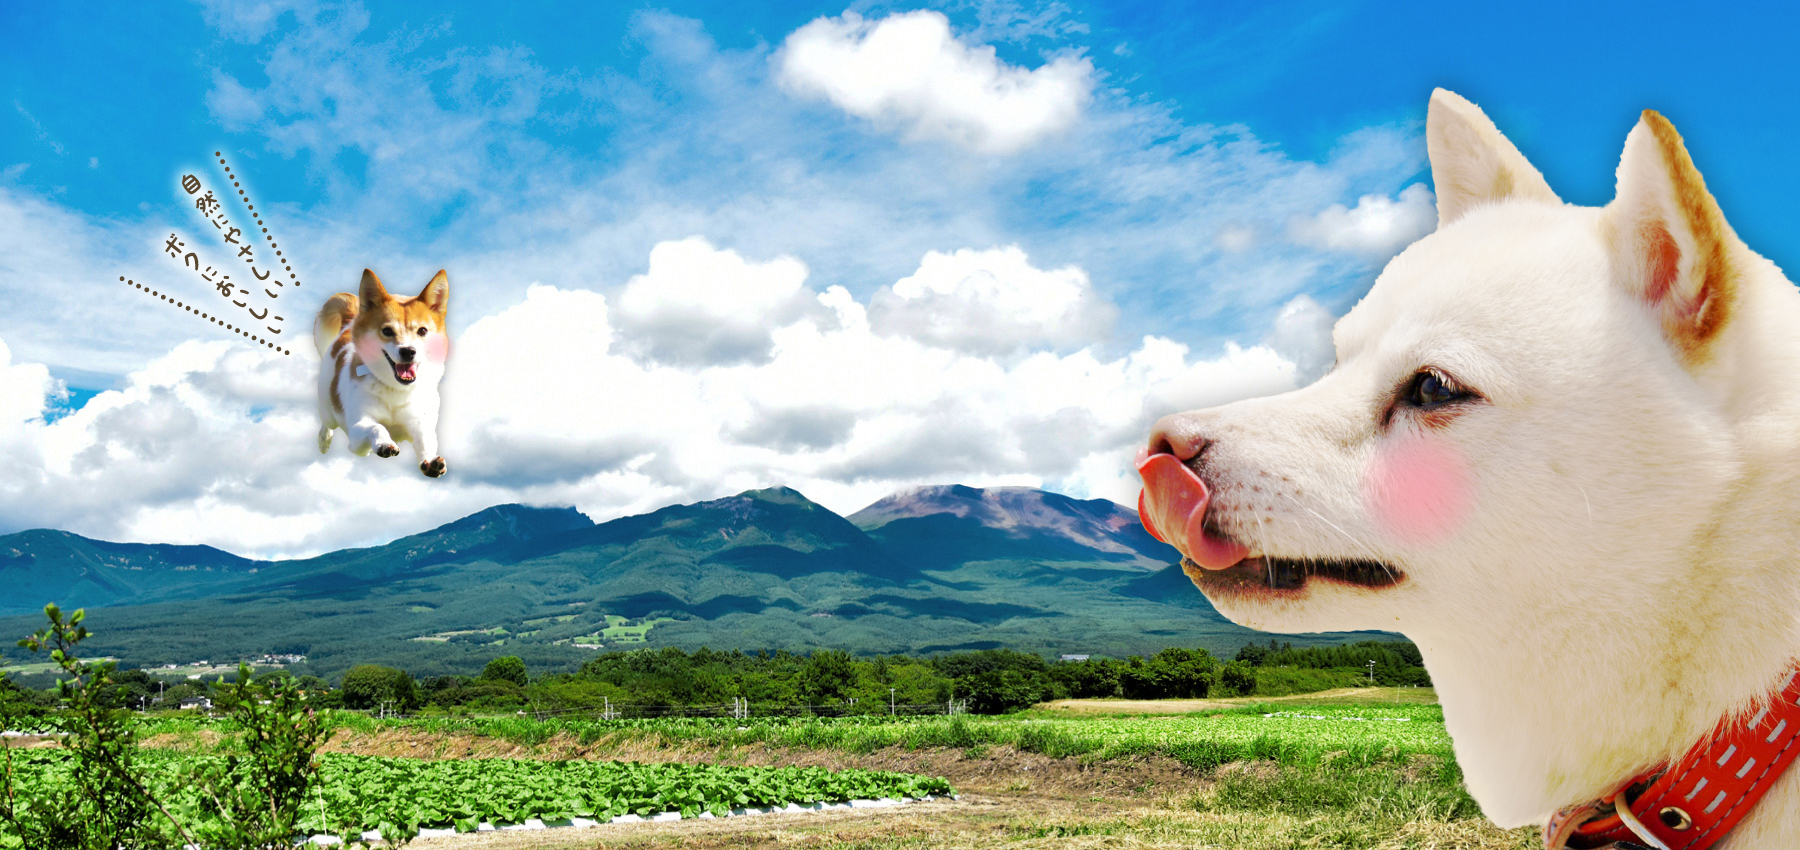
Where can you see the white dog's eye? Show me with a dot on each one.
(421, 332)
(1429, 391)
(387, 332)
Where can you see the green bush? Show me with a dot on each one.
(101, 792)
(506, 668)
(371, 686)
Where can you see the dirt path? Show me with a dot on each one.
(998, 769)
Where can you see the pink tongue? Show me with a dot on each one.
(406, 371)
(1174, 498)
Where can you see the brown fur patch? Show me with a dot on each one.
(337, 373)
(1503, 185)
(405, 315)
(1692, 318)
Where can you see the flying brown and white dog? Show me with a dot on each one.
(382, 358)
(1560, 450)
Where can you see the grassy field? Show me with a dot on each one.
(1369, 768)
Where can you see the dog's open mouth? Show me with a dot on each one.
(1266, 574)
(1174, 509)
(406, 372)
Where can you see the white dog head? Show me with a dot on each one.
(1524, 396)
(1535, 425)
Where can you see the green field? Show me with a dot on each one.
(1373, 769)
(35, 668)
(401, 796)
(618, 631)
(1296, 733)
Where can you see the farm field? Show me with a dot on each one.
(399, 796)
(1339, 696)
(1364, 770)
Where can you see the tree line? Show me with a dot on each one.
(984, 681)
(828, 680)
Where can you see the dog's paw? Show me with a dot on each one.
(434, 468)
(387, 450)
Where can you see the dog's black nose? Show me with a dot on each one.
(406, 354)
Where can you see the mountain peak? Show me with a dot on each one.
(1098, 524)
(523, 521)
(779, 494)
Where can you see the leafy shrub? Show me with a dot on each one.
(371, 686)
(506, 668)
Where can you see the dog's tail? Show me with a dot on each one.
(336, 315)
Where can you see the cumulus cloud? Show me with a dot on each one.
(547, 402)
(699, 305)
(1378, 226)
(25, 390)
(1302, 335)
(993, 302)
(907, 71)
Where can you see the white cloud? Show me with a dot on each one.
(1302, 335)
(544, 403)
(993, 302)
(1378, 226)
(700, 305)
(25, 390)
(1236, 238)
(908, 71)
(247, 21)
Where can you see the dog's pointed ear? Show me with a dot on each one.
(372, 292)
(1471, 163)
(1670, 243)
(436, 294)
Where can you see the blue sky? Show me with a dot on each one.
(1139, 208)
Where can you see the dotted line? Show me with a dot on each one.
(259, 222)
(209, 317)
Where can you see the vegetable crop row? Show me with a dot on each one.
(401, 796)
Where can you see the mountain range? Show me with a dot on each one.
(927, 570)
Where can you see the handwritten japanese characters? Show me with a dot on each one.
(255, 287)
(237, 246)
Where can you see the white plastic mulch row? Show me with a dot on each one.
(583, 823)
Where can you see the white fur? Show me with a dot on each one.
(380, 413)
(1629, 572)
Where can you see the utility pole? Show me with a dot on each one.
(1371, 671)
(890, 702)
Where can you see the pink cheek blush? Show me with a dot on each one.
(437, 348)
(1419, 490)
(369, 350)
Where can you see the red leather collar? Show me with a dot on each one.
(1695, 803)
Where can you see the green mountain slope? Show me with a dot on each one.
(41, 565)
(927, 570)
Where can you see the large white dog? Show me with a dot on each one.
(1560, 450)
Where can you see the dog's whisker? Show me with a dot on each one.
(1370, 551)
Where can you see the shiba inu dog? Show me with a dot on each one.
(1560, 451)
(381, 360)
